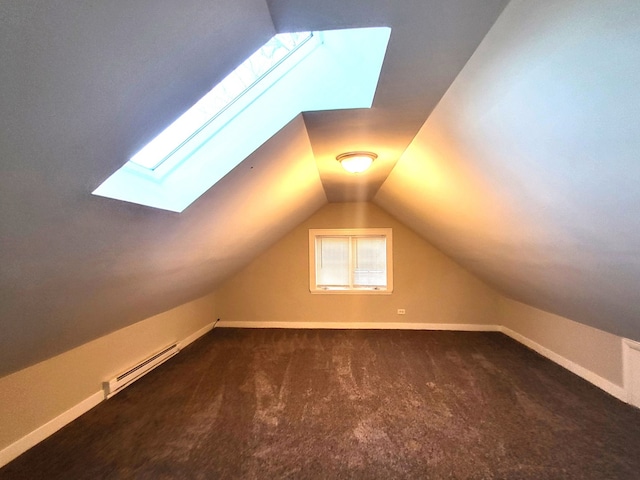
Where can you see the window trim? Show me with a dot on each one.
(351, 232)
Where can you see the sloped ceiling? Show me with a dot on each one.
(525, 172)
(528, 170)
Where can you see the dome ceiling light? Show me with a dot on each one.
(356, 162)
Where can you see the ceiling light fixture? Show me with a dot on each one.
(356, 162)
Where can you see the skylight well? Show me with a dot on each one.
(290, 74)
(250, 75)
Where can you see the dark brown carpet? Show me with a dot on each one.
(348, 404)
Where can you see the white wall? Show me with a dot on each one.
(42, 398)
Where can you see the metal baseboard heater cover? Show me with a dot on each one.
(133, 373)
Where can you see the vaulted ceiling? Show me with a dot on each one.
(507, 134)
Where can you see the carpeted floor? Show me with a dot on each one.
(348, 404)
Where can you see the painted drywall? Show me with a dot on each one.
(36, 395)
(527, 171)
(55, 292)
(594, 350)
(85, 85)
(274, 288)
(427, 284)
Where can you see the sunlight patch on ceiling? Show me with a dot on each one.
(290, 74)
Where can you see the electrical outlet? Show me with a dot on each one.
(401, 311)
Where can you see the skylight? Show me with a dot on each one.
(244, 78)
(290, 74)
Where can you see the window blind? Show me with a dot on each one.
(351, 261)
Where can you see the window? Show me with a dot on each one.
(350, 260)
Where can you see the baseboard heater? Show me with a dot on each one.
(119, 382)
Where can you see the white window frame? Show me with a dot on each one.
(315, 233)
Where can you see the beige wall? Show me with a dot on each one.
(34, 396)
(429, 285)
(274, 287)
(595, 350)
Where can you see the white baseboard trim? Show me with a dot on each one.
(602, 383)
(195, 336)
(31, 439)
(39, 434)
(52, 426)
(631, 371)
(362, 326)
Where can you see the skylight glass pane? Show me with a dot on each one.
(232, 87)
